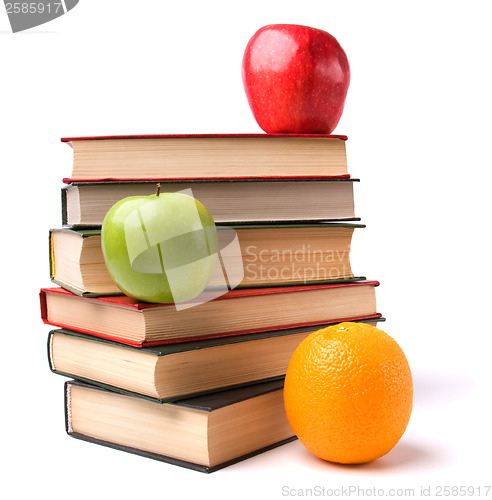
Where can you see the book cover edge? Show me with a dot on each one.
(200, 136)
(212, 180)
(74, 180)
(175, 461)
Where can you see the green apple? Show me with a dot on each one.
(160, 248)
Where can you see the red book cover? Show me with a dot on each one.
(69, 140)
(130, 303)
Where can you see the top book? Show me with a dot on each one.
(158, 157)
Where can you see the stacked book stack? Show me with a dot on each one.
(201, 386)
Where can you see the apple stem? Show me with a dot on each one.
(158, 189)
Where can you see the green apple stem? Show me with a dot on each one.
(158, 189)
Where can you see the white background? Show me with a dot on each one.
(418, 120)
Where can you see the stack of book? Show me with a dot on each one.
(201, 386)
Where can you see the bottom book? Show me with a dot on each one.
(204, 433)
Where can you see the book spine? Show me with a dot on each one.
(68, 405)
(50, 351)
(43, 306)
(51, 250)
(64, 212)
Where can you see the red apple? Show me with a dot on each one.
(296, 79)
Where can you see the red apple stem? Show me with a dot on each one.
(158, 189)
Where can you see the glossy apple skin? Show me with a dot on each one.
(160, 249)
(296, 79)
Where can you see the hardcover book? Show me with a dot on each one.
(169, 372)
(230, 201)
(268, 255)
(203, 433)
(207, 156)
(240, 311)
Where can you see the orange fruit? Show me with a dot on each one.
(348, 393)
